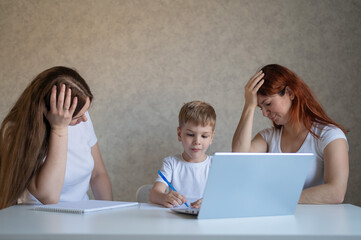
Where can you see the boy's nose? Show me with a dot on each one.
(197, 140)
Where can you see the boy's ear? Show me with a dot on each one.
(179, 134)
(212, 137)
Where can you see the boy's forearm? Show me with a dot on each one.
(157, 197)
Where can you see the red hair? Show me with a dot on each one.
(305, 107)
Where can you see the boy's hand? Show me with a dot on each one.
(174, 199)
(197, 204)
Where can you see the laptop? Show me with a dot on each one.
(253, 185)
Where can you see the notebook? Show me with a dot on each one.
(84, 206)
(252, 185)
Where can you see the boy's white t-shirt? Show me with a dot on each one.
(189, 179)
(79, 164)
(311, 145)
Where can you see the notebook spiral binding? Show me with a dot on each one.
(62, 210)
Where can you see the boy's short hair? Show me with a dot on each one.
(198, 112)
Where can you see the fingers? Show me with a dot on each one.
(182, 198)
(62, 107)
(174, 199)
(197, 204)
(61, 96)
(257, 75)
(63, 102)
(255, 82)
(168, 205)
(67, 100)
(251, 89)
(258, 85)
(73, 105)
(53, 99)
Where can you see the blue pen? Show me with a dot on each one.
(170, 185)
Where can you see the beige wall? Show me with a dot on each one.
(144, 59)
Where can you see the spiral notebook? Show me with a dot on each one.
(82, 207)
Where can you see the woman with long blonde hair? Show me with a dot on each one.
(299, 125)
(48, 148)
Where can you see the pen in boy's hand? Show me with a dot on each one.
(170, 185)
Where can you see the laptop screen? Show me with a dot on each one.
(254, 184)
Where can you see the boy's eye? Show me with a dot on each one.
(205, 136)
(268, 104)
(190, 134)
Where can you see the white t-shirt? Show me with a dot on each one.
(311, 145)
(79, 164)
(189, 179)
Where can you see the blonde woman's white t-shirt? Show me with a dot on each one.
(189, 179)
(311, 145)
(79, 164)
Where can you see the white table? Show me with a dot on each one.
(309, 222)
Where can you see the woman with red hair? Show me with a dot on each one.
(300, 125)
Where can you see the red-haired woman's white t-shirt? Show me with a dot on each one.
(311, 145)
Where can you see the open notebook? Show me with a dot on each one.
(252, 184)
(84, 206)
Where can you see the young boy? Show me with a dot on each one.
(188, 172)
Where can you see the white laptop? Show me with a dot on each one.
(252, 185)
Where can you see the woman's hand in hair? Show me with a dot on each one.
(61, 110)
(251, 89)
(242, 138)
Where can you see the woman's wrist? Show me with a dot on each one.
(59, 131)
(248, 110)
(249, 105)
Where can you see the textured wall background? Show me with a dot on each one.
(144, 59)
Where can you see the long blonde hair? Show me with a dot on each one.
(24, 133)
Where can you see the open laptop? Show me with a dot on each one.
(252, 185)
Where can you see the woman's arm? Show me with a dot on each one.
(336, 171)
(243, 135)
(46, 186)
(99, 181)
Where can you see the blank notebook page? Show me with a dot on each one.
(84, 206)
